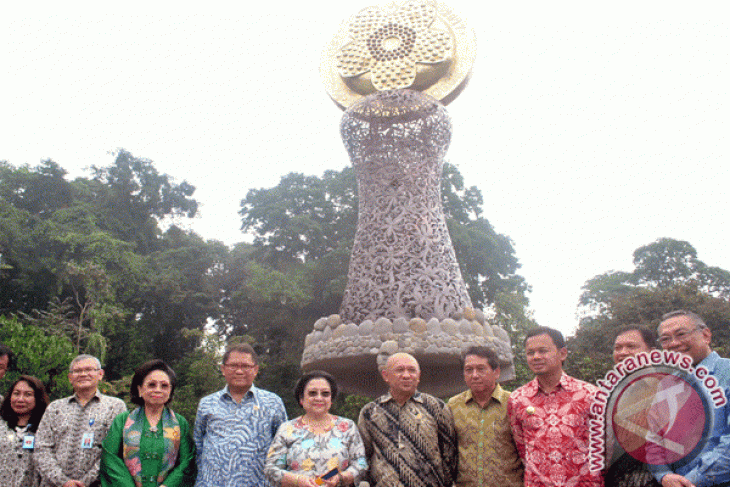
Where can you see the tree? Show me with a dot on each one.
(307, 219)
(660, 264)
(92, 255)
(667, 276)
(296, 269)
(38, 354)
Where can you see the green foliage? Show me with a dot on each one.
(198, 375)
(296, 270)
(668, 276)
(349, 406)
(88, 260)
(43, 356)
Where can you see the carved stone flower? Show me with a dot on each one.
(390, 45)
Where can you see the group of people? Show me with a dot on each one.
(536, 436)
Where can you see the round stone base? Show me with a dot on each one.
(353, 352)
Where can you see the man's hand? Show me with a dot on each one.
(73, 483)
(675, 480)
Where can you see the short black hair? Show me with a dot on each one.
(647, 335)
(141, 372)
(308, 377)
(41, 402)
(554, 335)
(5, 350)
(240, 348)
(483, 352)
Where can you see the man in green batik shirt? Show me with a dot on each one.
(487, 454)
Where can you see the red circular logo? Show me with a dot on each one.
(660, 418)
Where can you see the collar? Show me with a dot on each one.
(710, 360)
(566, 382)
(251, 392)
(75, 398)
(497, 395)
(388, 397)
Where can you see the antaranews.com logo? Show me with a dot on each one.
(654, 406)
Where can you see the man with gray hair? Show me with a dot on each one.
(686, 332)
(68, 440)
(409, 436)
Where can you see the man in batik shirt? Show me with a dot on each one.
(235, 426)
(409, 436)
(69, 437)
(487, 453)
(549, 417)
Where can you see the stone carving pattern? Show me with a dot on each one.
(403, 263)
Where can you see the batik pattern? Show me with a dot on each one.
(232, 439)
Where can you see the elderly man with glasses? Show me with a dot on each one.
(685, 332)
(69, 437)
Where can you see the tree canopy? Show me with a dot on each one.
(296, 269)
(100, 265)
(667, 276)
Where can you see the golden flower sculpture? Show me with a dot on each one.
(421, 45)
(390, 45)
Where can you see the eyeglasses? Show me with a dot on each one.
(319, 393)
(87, 370)
(244, 367)
(680, 336)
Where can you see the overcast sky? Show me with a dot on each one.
(591, 130)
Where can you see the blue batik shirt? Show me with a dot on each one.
(712, 466)
(232, 439)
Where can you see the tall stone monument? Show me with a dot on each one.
(392, 69)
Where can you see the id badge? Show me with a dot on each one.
(87, 441)
(28, 442)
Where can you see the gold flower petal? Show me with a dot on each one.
(418, 15)
(353, 59)
(393, 74)
(365, 21)
(432, 46)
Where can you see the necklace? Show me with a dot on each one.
(322, 425)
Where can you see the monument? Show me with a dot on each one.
(392, 69)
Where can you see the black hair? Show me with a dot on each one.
(41, 402)
(241, 348)
(142, 372)
(647, 335)
(308, 377)
(5, 350)
(483, 352)
(554, 335)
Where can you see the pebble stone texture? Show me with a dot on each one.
(405, 292)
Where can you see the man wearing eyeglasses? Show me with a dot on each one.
(69, 437)
(685, 332)
(234, 427)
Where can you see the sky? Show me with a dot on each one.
(590, 129)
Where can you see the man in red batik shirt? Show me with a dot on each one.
(549, 417)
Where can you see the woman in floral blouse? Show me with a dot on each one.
(151, 446)
(21, 411)
(306, 448)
